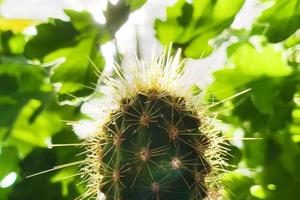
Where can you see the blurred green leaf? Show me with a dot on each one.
(249, 64)
(279, 21)
(135, 4)
(50, 37)
(19, 83)
(234, 156)
(287, 187)
(38, 187)
(192, 25)
(25, 134)
(264, 94)
(293, 40)
(239, 187)
(64, 155)
(116, 15)
(265, 112)
(77, 43)
(258, 191)
(266, 62)
(4, 192)
(9, 160)
(296, 167)
(11, 44)
(195, 90)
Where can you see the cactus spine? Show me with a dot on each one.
(156, 143)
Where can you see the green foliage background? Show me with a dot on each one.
(265, 58)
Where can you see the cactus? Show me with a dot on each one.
(156, 143)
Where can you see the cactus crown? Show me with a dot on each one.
(156, 143)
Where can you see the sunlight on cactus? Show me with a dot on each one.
(157, 140)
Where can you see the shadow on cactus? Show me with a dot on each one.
(156, 141)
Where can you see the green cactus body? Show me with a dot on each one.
(154, 150)
(156, 142)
